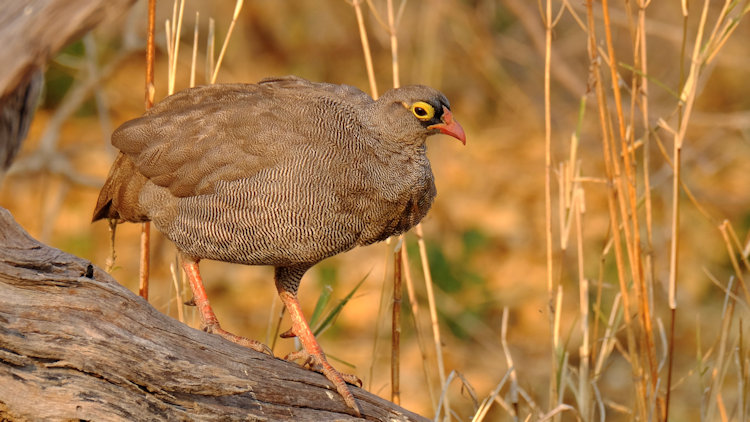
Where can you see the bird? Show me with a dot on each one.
(284, 172)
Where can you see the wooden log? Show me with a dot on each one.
(33, 31)
(75, 344)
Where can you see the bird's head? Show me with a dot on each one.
(417, 111)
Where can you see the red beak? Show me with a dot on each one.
(450, 126)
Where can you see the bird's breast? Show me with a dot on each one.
(404, 206)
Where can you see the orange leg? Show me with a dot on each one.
(312, 352)
(209, 322)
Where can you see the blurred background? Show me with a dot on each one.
(485, 236)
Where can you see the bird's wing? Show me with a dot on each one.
(198, 137)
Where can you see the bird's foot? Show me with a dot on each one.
(313, 362)
(318, 363)
(215, 328)
(209, 322)
(311, 352)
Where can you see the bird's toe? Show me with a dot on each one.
(242, 341)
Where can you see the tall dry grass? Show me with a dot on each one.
(619, 82)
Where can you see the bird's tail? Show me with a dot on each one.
(118, 198)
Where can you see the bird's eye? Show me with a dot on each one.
(422, 111)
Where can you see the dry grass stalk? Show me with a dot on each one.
(584, 389)
(433, 314)
(443, 397)
(609, 339)
(194, 58)
(722, 363)
(173, 41)
(639, 85)
(726, 233)
(509, 362)
(145, 238)
(397, 255)
(613, 177)
(150, 53)
(110, 261)
(237, 10)
(486, 404)
(173, 30)
(414, 306)
(560, 354)
(210, 46)
(396, 323)
(379, 317)
(743, 253)
(465, 386)
(549, 26)
(629, 217)
(357, 4)
(178, 292)
(394, 43)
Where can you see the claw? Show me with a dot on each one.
(351, 379)
(288, 334)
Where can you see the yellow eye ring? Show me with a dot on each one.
(422, 111)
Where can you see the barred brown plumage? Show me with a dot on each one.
(285, 172)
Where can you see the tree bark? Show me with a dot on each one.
(75, 344)
(33, 31)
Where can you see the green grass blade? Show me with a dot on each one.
(328, 321)
(323, 300)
